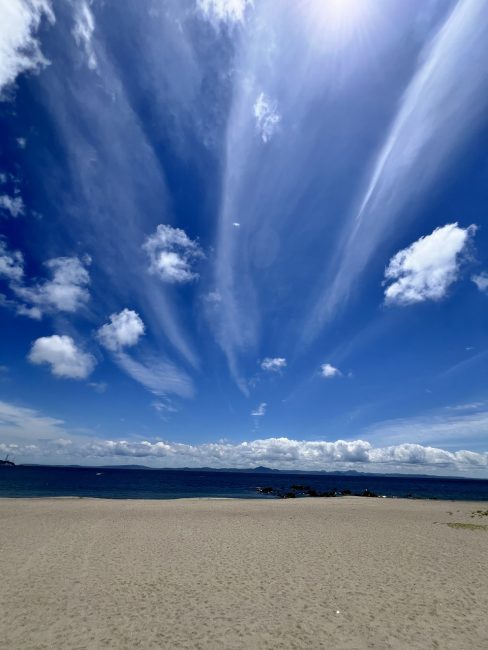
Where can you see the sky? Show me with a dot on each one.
(245, 232)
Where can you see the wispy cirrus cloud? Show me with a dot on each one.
(228, 12)
(158, 376)
(83, 30)
(260, 410)
(442, 105)
(267, 117)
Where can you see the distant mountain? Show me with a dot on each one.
(261, 469)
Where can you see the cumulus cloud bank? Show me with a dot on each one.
(124, 330)
(279, 453)
(63, 355)
(426, 269)
(19, 49)
(171, 254)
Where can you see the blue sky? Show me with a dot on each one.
(240, 233)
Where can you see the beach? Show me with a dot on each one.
(224, 573)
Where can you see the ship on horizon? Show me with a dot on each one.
(6, 462)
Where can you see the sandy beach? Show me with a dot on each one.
(304, 573)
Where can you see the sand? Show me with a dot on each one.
(305, 573)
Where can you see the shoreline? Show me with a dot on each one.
(241, 499)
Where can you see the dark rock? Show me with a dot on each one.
(368, 493)
(265, 490)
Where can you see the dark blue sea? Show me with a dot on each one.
(121, 483)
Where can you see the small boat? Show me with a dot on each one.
(6, 462)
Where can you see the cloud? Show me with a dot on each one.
(171, 253)
(328, 371)
(64, 357)
(280, 453)
(164, 406)
(442, 106)
(260, 410)
(11, 263)
(66, 291)
(83, 33)
(230, 12)
(426, 269)
(267, 117)
(19, 49)
(157, 376)
(481, 281)
(441, 427)
(13, 205)
(19, 424)
(124, 330)
(98, 386)
(273, 364)
(236, 224)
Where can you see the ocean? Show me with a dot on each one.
(121, 483)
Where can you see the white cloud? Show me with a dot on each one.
(11, 263)
(224, 11)
(157, 376)
(13, 205)
(64, 357)
(260, 410)
(328, 371)
(427, 268)
(279, 453)
(273, 364)
(98, 386)
(171, 253)
(19, 424)
(83, 32)
(267, 117)
(164, 405)
(124, 330)
(236, 224)
(66, 291)
(19, 49)
(481, 281)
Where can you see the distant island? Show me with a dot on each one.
(260, 469)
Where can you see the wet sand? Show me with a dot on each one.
(305, 573)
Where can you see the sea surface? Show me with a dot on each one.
(118, 483)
